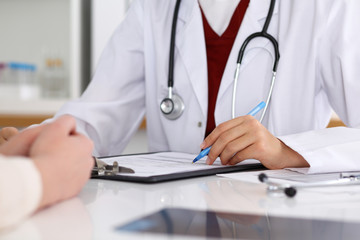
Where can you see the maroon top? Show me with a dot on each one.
(217, 51)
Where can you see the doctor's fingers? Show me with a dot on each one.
(233, 147)
(229, 144)
(246, 153)
(257, 143)
(265, 148)
(225, 145)
(224, 127)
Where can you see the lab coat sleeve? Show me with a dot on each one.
(20, 190)
(336, 149)
(113, 106)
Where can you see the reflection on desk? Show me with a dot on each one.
(66, 220)
(104, 205)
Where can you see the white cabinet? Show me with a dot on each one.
(34, 31)
(75, 31)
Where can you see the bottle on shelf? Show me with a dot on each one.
(54, 81)
(20, 82)
(29, 87)
(13, 73)
(9, 84)
(2, 73)
(8, 87)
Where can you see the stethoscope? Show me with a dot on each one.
(173, 106)
(346, 179)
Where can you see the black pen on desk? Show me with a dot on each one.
(253, 112)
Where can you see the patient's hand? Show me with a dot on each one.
(63, 158)
(7, 133)
(61, 155)
(21, 142)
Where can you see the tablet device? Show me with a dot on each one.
(224, 225)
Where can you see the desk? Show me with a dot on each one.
(103, 205)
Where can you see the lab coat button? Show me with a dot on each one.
(199, 124)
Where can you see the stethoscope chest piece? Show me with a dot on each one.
(172, 107)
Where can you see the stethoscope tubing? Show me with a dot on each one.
(172, 45)
(269, 96)
(172, 115)
(275, 44)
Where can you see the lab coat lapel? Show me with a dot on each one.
(190, 44)
(252, 22)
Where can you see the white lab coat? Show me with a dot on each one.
(318, 70)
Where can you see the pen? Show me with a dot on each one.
(253, 112)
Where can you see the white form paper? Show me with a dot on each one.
(147, 165)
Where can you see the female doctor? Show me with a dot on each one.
(318, 71)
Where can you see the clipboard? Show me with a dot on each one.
(130, 168)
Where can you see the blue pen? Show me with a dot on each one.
(253, 112)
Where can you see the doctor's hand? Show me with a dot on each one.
(6, 133)
(246, 138)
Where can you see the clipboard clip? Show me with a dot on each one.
(103, 169)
